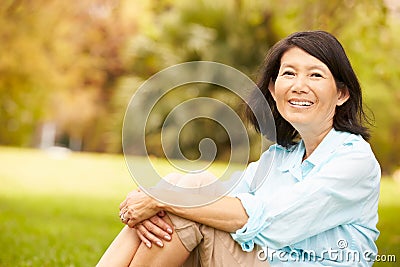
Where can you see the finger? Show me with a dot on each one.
(156, 230)
(143, 238)
(123, 216)
(131, 223)
(122, 212)
(149, 235)
(122, 205)
(161, 223)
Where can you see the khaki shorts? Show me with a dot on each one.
(210, 247)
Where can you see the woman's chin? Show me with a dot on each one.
(298, 119)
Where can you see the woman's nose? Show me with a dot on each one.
(300, 85)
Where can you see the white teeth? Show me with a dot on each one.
(301, 103)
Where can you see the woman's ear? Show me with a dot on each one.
(271, 88)
(343, 96)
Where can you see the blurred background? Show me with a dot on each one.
(69, 69)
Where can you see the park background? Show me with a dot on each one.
(69, 69)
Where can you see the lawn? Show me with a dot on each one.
(62, 209)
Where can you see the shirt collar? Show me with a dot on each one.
(332, 141)
(328, 145)
(293, 158)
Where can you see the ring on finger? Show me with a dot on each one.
(122, 215)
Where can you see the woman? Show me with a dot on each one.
(318, 204)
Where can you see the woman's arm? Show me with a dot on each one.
(225, 214)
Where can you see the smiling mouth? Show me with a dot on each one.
(301, 103)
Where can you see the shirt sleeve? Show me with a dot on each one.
(246, 177)
(333, 195)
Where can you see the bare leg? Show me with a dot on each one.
(172, 254)
(121, 250)
(128, 249)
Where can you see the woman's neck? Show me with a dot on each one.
(312, 139)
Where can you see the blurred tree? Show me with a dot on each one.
(96, 32)
(25, 75)
(375, 54)
(64, 63)
(236, 33)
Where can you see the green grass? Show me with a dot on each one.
(63, 211)
(389, 221)
(58, 211)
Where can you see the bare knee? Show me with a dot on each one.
(173, 253)
(191, 180)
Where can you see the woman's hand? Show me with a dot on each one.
(137, 207)
(154, 230)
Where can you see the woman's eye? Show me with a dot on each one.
(291, 73)
(316, 75)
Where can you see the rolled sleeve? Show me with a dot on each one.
(256, 210)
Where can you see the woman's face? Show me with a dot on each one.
(305, 92)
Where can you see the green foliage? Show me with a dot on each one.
(371, 44)
(181, 32)
(204, 30)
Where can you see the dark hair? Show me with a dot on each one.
(348, 117)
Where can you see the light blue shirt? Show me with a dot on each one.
(318, 212)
